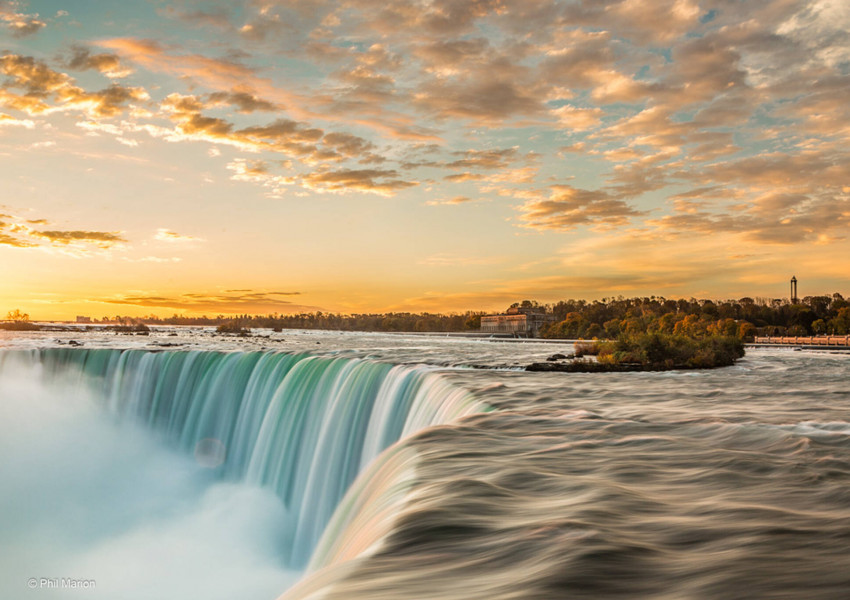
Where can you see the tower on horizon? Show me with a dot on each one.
(793, 290)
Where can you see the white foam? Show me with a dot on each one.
(86, 500)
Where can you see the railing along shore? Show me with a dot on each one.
(812, 340)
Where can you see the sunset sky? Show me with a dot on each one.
(444, 155)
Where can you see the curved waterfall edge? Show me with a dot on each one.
(322, 432)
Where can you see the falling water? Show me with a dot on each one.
(297, 425)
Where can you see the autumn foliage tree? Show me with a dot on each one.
(16, 316)
(18, 321)
(743, 319)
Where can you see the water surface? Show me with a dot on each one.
(730, 483)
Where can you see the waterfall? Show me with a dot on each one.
(303, 426)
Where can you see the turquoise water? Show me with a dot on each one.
(289, 431)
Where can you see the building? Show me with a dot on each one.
(83, 319)
(518, 322)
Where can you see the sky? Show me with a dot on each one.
(216, 157)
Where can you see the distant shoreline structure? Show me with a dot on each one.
(820, 341)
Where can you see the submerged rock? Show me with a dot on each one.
(584, 367)
(581, 366)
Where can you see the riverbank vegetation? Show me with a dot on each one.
(401, 321)
(609, 318)
(18, 321)
(657, 351)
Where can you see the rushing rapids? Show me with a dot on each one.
(713, 485)
(729, 483)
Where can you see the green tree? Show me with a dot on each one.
(840, 325)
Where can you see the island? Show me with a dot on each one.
(647, 352)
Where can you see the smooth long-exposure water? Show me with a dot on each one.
(730, 483)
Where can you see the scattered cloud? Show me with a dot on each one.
(445, 259)
(22, 233)
(258, 172)
(567, 207)
(377, 181)
(104, 239)
(450, 201)
(483, 159)
(233, 302)
(578, 119)
(772, 218)
(154, 259)
(491, 97)
(81, 59)
(244, 101)
(221, 74)
(14, 241)
(17, 22)
(218, 72)
(40, 83)
(166, 235)
(10, 121)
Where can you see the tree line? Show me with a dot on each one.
(400, 321)
(573, 319)
(743, 318)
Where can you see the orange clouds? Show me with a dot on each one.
(484, 159)
(216, 73)
(577, 118)
(40, 83)
(10, 121)
(228, 302)
(19, 233)
(18, 23)
(567, 208)
(486, 99)
(245, 102)
(35, 77)
(82, 59)
(166, 235)
(104, 239)
(378, 181)
(155, 57)
(450, 201)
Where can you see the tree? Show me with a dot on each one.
(746, 330)
(473, 322)
(17, 316)
(18, 321)
(840, 325)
